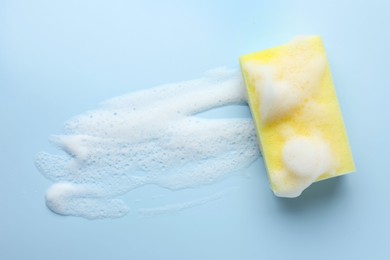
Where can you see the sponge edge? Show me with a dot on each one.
(297, 116)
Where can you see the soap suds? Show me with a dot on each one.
(277, 97)
(305, 159)
(148, 137)
(78, 200)
(284, 85)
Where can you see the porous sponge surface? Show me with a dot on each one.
(291, 95)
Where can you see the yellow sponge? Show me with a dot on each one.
(298, 120)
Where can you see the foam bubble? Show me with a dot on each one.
(148, 137)
(305, 159)
(282, 86)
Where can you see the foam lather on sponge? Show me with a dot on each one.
(297, 116)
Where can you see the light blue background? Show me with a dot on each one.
(60, 58)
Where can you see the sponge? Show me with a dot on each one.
(298, 120)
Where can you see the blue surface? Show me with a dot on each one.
(60, 58)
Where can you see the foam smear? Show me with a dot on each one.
(148, 137)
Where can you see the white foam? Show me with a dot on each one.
(148, 137)
(83, 201)
(284, 86)
(306, 158)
